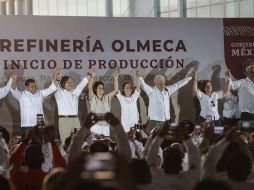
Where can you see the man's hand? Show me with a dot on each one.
(13, 75)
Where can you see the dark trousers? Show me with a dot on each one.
(247, 116)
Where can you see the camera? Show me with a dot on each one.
(99, 166)
(100, 116)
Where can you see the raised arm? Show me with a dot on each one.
(227, 83)
(16, 93)
(195, 85)
(5, 90)
(121, 137)
(90, 85)
(116, 86)
(55, 82)
(138, 81)
(148, 89)
(173, 88)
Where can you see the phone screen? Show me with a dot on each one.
(99, 166)
(247, 126)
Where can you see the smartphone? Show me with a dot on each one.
(247, 126)
(218, 130)
(99, 166)
(40, 120)
(100, 116)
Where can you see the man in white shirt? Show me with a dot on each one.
(245, 89)
(159, 109)
(30, 100)
(4, 90)
(67, 104)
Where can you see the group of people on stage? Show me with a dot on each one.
(30, 100)
(169, 157)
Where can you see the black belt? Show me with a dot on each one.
(67, 116)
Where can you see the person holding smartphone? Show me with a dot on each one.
(67, 104)
(209, 99)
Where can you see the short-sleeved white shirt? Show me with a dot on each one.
(209, 104)
(129, 110)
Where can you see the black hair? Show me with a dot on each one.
(209, 184)
(239, 166)
(203, 85)
(5, 134)
(28, 81)
(95, 85)
(189, 125)
(172, 162)
(4, 183)
(34, 156)
(141, 171)
(64, 79)
(99, 146)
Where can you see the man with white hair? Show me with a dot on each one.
(159, 109)
(245, 89)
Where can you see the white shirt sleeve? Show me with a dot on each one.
(220, 94)
(49, 90)
(235, 84)
(77, 91)
(148, 89)
(177, 85)
(136, 95)
(16, 93)
(119, 96)
(4, 90)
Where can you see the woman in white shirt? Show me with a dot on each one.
(209, 100)
(128, 101)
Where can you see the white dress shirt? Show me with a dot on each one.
(209, 104)
(159, 109)
(31, 104)
(245, 89)
(129, 110)
(230, 107)
(67, 101)
(4, 90)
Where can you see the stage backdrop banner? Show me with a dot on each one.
(36, 45)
